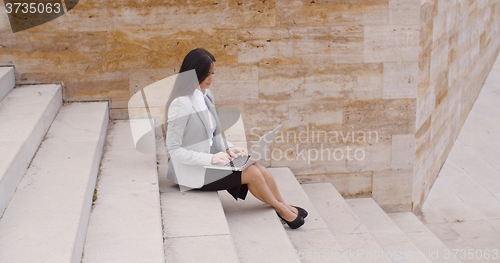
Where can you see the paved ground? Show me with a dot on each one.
(463, 206)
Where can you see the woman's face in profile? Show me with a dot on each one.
(208, 81)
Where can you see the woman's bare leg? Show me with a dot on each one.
(257, 185)
(271, 183)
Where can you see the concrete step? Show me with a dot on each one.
(7, 81)
(257, 231)
(125, 222)
(47, 217)
(346, 227)
(422, 237)
(388, 235)
(194, 225)
(313, 241)
(26, 114)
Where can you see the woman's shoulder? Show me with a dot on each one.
(179, 106)
(182, 101)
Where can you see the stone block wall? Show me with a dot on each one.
(459, 42)
(371, 93)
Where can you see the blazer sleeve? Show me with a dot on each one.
(178, 116)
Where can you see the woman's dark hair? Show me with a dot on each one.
(199, 60)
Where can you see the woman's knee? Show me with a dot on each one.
(263, 170)
(253, 175)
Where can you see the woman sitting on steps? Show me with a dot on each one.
(194, 140)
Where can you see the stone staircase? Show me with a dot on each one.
(50, 157)
(75, 189)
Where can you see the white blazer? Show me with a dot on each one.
(188, 140)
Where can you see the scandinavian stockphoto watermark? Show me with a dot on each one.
(304, 144)
(376, 255)
(322, 145)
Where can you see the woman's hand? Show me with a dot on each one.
(221, 157)
(233, 151)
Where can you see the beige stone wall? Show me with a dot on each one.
(331, 71)
(459, 43)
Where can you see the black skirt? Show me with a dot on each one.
(231, 183)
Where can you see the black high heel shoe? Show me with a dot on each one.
(302, 212)
(296, 223)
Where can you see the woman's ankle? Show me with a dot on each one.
(286, 213)
(291, 208)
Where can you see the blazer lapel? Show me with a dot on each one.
(201, 113)
(211, 106)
